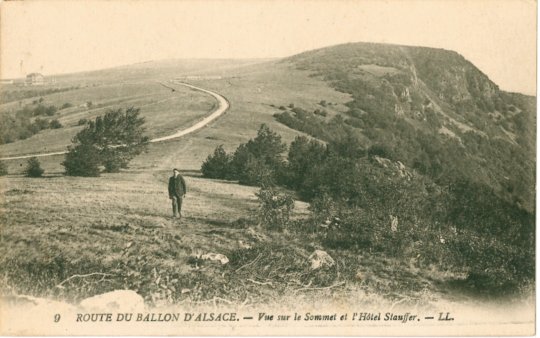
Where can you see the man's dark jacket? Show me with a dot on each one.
(177, 186)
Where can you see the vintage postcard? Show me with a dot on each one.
(349, 168)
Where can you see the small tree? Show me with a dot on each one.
(304, 155)
(111, 140)
(82, 160)
(267, 146)
(3, 169)
(257, 173)
(259, 161)
(274, 208)
(217, 165)
(33, 168)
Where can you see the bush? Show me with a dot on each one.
(40, 124)
(33, 168)
(3, 169)
(44, 110)
(55, 124)
(322, 113)
(217, 165)
(66, 105)
(381, 150)
(82, 122)
(274, 208)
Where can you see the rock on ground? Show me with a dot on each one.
(319, 259)
(118, 300)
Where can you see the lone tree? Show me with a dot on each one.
(111, 141)
(33, 168)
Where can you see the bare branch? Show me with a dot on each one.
(322, 288)
(259, 283)
(243, 266)
(84, 276)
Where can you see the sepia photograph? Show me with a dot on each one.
(249, 168)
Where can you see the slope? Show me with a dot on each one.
(431, 109)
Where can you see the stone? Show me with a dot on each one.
(319, 259)
(215, 257)
(115, 301)
(393, 223)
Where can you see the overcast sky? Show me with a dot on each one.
(499, 36)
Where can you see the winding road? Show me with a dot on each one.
(223, 106)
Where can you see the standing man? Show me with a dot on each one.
(177, 191)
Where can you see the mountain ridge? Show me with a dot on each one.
(402, 94)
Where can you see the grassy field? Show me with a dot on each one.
(165, 111)
(69, 238)
(255, 92)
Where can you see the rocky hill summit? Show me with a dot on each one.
(429, 108)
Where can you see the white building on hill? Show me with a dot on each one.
(35, 79)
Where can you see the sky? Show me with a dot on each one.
(52, 37)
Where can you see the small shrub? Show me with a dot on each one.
(274, 208)
(33, 168)
(320, 112)
(55, 124)
(66, 105)
(381, 150)
(323, 207)
(82, 122)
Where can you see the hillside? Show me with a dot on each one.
(433, 110)
(252, 86)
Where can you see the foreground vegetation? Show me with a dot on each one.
(77, 243)
(362, 201)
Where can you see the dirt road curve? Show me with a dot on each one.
(223, 105)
